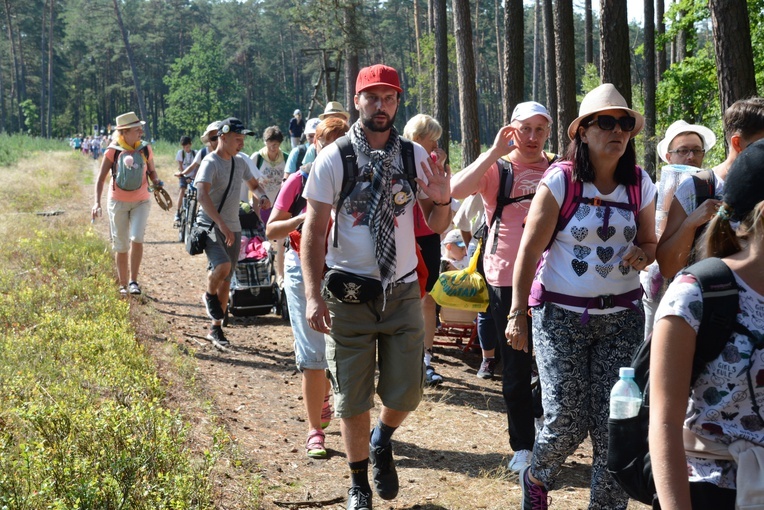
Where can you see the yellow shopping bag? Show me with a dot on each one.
(464, 289)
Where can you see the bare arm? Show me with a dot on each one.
(190, 168)
(153, 175)
(670, 368)
(539, 227)
(281, 223)
(312, 259)
(676, 241)
(642, 254)
(106, 164)
(466, 182)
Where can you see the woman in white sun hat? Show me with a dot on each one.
(130, 161)
(587, 317)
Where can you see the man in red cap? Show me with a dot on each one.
(370, 308)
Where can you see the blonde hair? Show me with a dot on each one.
(721, 240)
(422, 127)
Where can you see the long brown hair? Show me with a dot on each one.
(722, 240)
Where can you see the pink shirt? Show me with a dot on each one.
(120, 195)
(290, 190)
(499, 266)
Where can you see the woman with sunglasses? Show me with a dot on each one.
(587, 317)
(723, 414)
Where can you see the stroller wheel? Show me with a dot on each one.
(226, 317)
(283, 306)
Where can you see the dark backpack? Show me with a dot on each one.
(506, 181)
(350, 172)
(259, 158)
(628, 457)
(705, 186)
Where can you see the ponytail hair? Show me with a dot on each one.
(722, 240)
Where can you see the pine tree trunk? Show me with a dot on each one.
(133, 70)
(649, 89)
(499, 50)
(352, 65)
(589, 33)
(566, 70)
(514, 65)
(417, 37)
(43, 111)
(614, 46)
(734, 54)
(15, 71)
(536, 50)
(441, 95)
(49, 116)
(550, 66)
(682, 41)
(660, 30)
(465, 63)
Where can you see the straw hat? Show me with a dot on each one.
(128, 120)
(333, 107)
(706, 135)
(604, 97)
(214, 126)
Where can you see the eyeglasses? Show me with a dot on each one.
(685, 152)
(213, 138)
(608, 122)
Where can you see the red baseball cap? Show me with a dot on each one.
(378, 74)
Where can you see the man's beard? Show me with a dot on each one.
(368, 122)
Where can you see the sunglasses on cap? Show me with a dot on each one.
(608, 122)
(212, 138)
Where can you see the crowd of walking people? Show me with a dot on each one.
(583, 255)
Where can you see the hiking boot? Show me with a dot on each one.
(314, 446)
(134, 288)
(487, 368)
(520, 460)
(383, 471)
(212, 304)
(359, 499)
(431, 377)
(535, 497)
(326, 414)
(217, 337)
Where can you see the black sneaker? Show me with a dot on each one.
(359, 499)
(217, 337)
(535, 497)
(383, 471)
(212, 304)
(431, 377)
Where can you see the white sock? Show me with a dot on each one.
(427, 357)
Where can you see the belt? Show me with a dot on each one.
(597, 302)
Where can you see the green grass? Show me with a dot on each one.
(13, 147)
(82, 423)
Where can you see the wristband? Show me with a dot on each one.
(517, 313)
(450, 199)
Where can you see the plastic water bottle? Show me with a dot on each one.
(625, 398)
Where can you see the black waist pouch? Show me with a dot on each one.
(351, 288)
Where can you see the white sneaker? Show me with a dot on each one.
(520, 460)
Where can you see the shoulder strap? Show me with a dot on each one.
(720, 308)
(635, 195)
(349, 176)
(506, 181)
(225, 193)
(573, 190)
(301, 151)
(705, 182)
(258, 160)
(298, 204)
(117, 150)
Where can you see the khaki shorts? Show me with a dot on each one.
(128, 223)
(364, 337)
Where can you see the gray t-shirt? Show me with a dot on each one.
(217, 171)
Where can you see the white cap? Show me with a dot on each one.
(706, 136)
(626, 372)
(528, 109)
(214, 126)
(312, 125)
(454, 237)
(297, 112)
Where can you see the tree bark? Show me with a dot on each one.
(352, 65)
(734, 55)
(566, 70)
(649, 89)
(514, 62)
(49, 116)
(589, 33)
(133, 70)
(417, 37)
(465, 63)
(550, 66)
(536, 50)
(15, 72)
(42, 70)
(660, 30)
(499, 49)
(682, 40)
(614, 46)
(440, 99)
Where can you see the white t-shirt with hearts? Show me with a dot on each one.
(585, 260)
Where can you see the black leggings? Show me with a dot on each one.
(707, 496)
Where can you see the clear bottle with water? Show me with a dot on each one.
(625, 398)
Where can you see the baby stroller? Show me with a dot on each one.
(254, 290)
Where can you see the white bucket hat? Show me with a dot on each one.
(128, 120)
(604, 97)
(214, 126)
(677, 128)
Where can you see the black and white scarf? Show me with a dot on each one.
(381, 214)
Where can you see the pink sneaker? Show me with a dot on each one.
(315, 445)
(326, 413)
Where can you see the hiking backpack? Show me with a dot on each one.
(259, 159)
(129, 178)
(506, 181)
(628, 456)
(350, 175)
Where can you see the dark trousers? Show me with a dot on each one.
(515, 374)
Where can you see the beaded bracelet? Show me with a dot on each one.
(517, 313)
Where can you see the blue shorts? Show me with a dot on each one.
(309, 344)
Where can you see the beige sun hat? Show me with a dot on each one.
(677, 128)
(334, 107)
(214, 126)
(604, 97)
(128, 120)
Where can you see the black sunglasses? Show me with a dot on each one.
(608, 122)
(213, 138)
